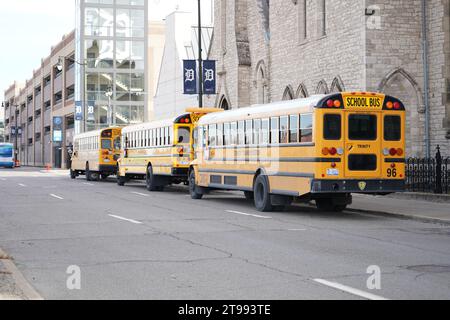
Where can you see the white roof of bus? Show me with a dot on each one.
(151, 125)
(264, 111)
(95, 133)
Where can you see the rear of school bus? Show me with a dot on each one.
(360, 139)
(110, 140)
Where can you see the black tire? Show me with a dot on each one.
(104, 176)
(73, 174)
(88, 173)
(150, 180)
(193, 188)
(121, 181)
(262, 195)
(249, 195)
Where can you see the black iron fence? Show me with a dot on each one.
(428, 174)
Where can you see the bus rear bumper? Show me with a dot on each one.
(109, 169)
(358, 186)
(180, 172)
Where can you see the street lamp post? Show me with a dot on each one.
(200, 62)
(60, 66)
(16, 133)
(108, 94)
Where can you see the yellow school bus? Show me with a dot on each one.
(159, 152)
(322, 148)
(95, 154)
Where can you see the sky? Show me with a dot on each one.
(28, 29)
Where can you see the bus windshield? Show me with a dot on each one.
(106, 144)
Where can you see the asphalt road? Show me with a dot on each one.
(132, 244)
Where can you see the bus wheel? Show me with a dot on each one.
(193, 189)
(73, 174)
(121, 180)
(104, 176)
(250, 196)
(262, 196)
(88, 173)
(151, 180)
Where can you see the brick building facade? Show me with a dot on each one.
(285, 49)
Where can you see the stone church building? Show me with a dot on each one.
(270, 50)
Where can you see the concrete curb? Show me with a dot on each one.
(27, 289)
(430, 197)
(402, 216)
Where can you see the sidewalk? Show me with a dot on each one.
(408, 208)
(13, 285)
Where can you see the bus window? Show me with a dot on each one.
(220, 134)
(234, 133)
(306, 126)
(227, 134)
(117, 143)
(265, 132)
(106, 144)
(257, 131)
(275, 130)
(293, 129)
(362, 127)
(241, 133)
(284, 127)
(184, 135)
(332, 127)
(392, 128)
(249, 132)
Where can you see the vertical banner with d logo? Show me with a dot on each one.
(78, 111)
(190, 76)
(209, 77)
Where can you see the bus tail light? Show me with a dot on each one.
(332, 151)
(397, 106)
(390, 105)
(386, 152)
(393, 151)
(333, 165)
(393, 166)
(334, 103)
(400, 152)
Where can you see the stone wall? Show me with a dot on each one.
(373, 45)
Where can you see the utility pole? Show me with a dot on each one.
(200, 62)
(16, 133)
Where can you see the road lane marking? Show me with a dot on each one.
(22, 185)
(297, 230)
(140, 194)
(248, 214)
(88, 184)
(350, 290)
(124, 219)
(55, 196)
